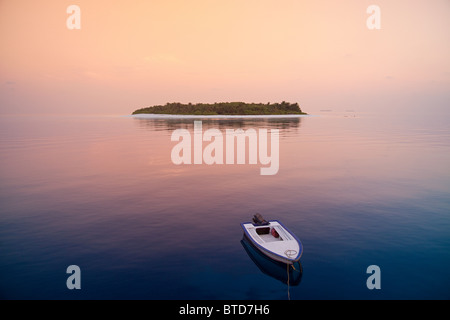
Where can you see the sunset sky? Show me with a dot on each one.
(131, 54)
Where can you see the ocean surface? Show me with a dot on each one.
(103, 193)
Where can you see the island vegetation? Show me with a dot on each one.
(224, 108)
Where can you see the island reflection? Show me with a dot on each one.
(285, 124)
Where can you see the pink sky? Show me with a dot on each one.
(130, 54)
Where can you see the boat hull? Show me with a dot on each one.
(271, 267)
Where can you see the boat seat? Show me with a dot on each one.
(265, 230)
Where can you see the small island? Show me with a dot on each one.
(224, 108)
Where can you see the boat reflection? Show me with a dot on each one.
(273, 268)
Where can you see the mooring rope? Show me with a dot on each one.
(287, 268)
(290, 253)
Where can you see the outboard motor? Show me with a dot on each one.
(258, 220)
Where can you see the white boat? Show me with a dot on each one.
(273, 239)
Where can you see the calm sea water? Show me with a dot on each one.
(101, 192)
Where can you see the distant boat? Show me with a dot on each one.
(273, 239)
